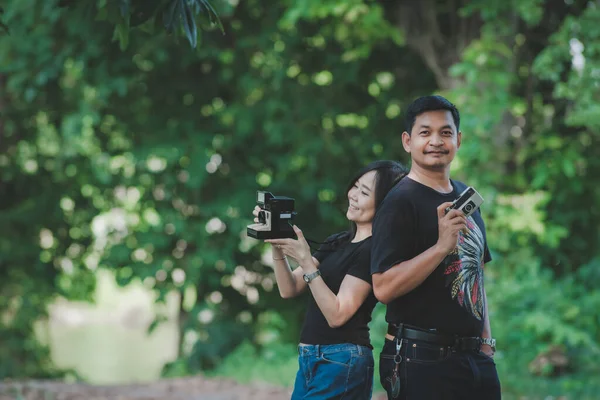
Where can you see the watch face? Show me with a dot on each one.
(309, 277)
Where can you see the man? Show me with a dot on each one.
(427, 266)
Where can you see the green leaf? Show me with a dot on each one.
(66, 3)
(212, 14)
(2, 24)
(189, 25)
(124, 6)
(171, 15)
(122, 33)
(4, 27)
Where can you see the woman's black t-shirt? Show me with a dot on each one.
(347, 259)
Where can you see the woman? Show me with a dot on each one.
(335, 353)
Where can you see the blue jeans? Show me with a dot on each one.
(429, 371)
(335, 371)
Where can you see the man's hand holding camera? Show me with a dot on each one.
(449, 224)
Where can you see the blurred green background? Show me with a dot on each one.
(130, 158)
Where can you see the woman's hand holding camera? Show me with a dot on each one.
(277, 252)
(449, 224)
(297, 249)
(255, 213)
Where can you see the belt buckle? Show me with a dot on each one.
(457, 345)
(461, 344)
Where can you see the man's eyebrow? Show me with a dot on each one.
(448, 126)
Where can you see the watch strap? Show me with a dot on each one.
(309, 277)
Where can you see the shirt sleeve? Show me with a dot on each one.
(487, 257)
(393, 233)
(361, 262)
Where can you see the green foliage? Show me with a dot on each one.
(2, 24)
(124, 15)
(143, 157)
(540, 312)
(274, 364)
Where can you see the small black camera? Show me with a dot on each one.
(274, 218)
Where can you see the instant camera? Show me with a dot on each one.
(468, 202)
(274, 218)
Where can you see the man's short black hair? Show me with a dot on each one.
(430, 103)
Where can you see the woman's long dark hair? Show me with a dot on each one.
(389, 173)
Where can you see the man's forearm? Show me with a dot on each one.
(487, 328)
(404, 277)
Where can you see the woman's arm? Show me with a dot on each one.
(290, 283)
(337, 309)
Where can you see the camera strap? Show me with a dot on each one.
(317, 243)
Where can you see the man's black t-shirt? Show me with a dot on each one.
(347, 259)
(451, 299)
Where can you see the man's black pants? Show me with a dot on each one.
(426, 371)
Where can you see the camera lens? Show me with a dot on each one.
(262, 218)
(469, 207)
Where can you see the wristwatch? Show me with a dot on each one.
(490, 342)
(309, 277)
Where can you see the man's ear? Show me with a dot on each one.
(458, 139)
(406, 141)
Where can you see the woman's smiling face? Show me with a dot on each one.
(361, 199)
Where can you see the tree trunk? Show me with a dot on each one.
(438, 34)
(182, 322)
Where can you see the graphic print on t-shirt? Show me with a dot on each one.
(463, 270)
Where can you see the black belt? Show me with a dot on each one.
(458, 343)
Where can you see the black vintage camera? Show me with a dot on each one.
(274, 218)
